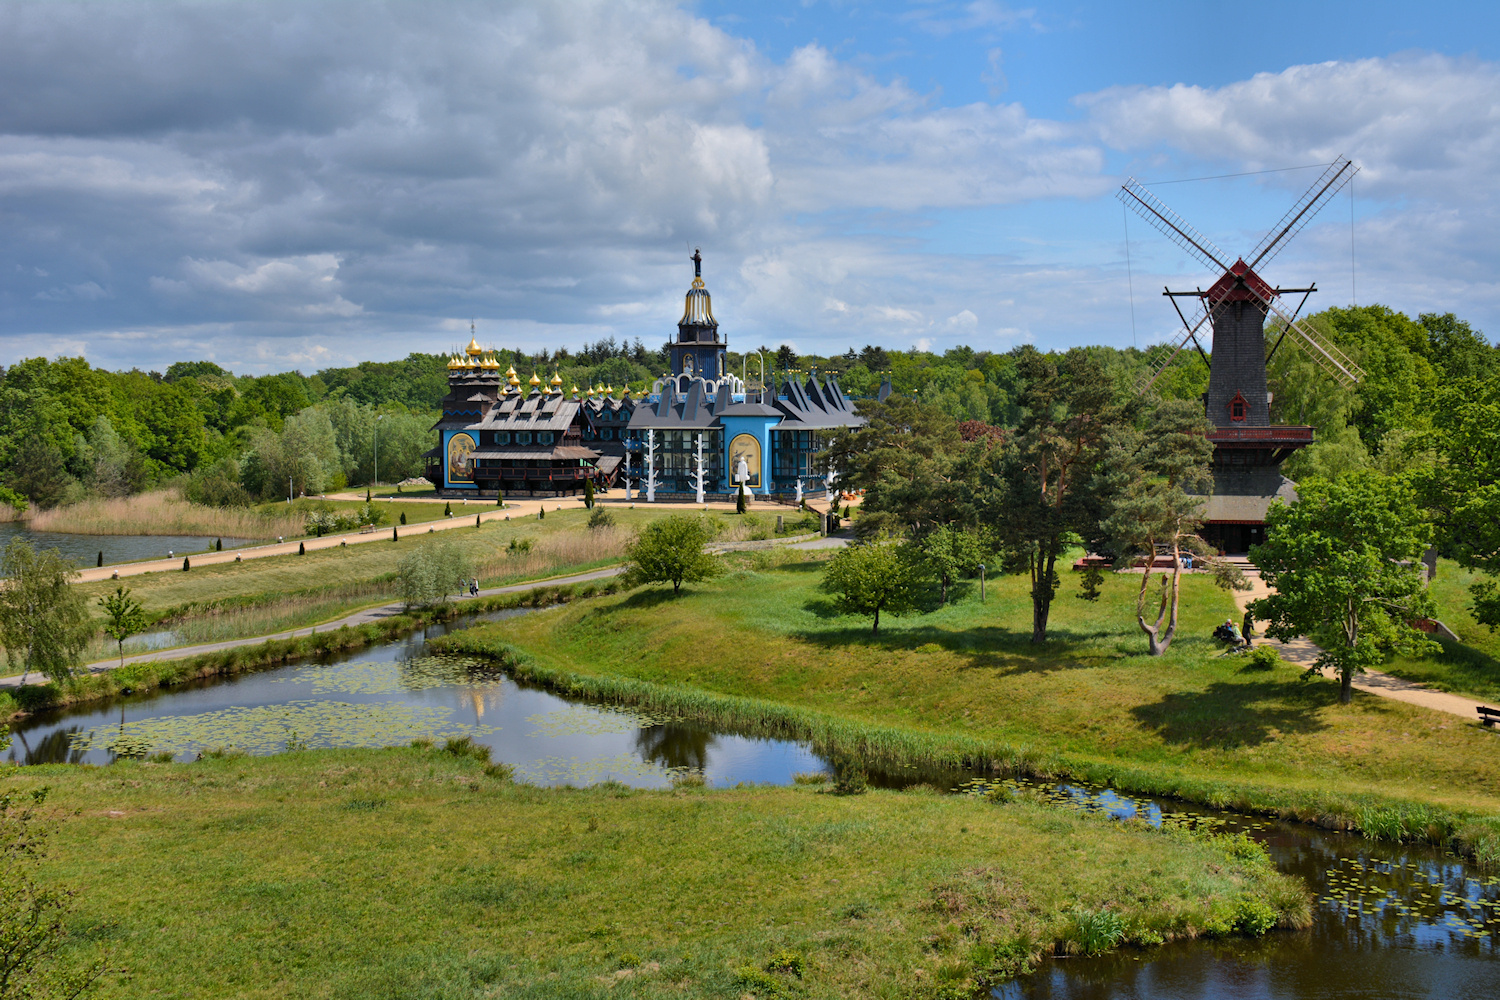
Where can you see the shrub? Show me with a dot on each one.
(328, 522)
(810, 778)
(600, 517)
(427, 575)
(849, 778)
(787, 961)
(1263, 658)
(689, 779)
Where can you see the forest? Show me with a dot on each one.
(69, 431)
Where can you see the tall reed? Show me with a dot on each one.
(163, 512)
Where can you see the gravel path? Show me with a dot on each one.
(358, 618)
(1303, 653)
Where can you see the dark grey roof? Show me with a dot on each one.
(512, 454)
(816, 407)
(534, 412)
(671, 410)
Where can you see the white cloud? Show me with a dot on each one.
(289, 182)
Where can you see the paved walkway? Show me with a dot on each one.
(463, 516)
(1302, 652)
(358, 618)
(395, 608)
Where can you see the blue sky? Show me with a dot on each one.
(278, 185)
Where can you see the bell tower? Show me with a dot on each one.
(699, 350)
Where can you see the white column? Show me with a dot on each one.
(651, 465)
(627, 477)
(698, 461)
(799, 491)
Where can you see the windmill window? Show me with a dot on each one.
(1237, 407)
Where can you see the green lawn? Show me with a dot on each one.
(411, 873)
(262, 596)
(1089, 701)
(1470, 666)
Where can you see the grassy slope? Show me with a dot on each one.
(969, 673)
(409, 873)
(1471, 666)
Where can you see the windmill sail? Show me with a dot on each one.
(1339, 173)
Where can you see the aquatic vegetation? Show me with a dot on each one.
(379, 677)
(589, 720)
(265, 729)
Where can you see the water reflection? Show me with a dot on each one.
(86, 550)
(682, 748)
(1389, 921)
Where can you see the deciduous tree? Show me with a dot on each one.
(882, 575)
(1342, 566)
(670, 550)
(44, 622)
(123, 618)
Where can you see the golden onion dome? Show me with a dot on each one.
(575, 392)
(591, 392)
(625, 393)
(609, 390)
(556, 379)
(454, 363)
(534, 380)
(473, 350)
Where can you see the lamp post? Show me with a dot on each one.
(377, 448)
(981, 583)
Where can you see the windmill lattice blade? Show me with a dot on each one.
(1339, 173)
(1177, 229)
(1149, 376)
(1327, 355)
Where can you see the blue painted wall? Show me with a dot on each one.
(761, 428)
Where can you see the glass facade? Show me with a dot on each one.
(675, 453)
(794, 455)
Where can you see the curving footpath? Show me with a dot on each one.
(511, 511)
(358, 618)
(1303, 652)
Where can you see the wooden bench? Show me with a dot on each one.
(368, 529)
(1488, 716)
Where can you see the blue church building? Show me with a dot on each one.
(700, 432)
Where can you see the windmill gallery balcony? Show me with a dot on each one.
(1276, 435)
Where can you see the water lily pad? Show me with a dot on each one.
(587, 720)
(379, 677)
(265, 729)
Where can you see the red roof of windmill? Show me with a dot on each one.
(1239, 284)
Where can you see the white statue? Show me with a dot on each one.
(799, 492)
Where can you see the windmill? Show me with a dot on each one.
(1248, 449)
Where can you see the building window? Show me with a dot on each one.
(544, 437)
(523, 437)
(1237, 407)
(502, 437)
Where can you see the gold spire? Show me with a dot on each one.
(534, 380)
(591, 392)
(575, 392)
(454, 363)
(556, 382)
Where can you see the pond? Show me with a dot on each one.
(85, 549)
(1390, 921)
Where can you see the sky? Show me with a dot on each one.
(301, 185)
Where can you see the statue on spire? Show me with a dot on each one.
(697, 260)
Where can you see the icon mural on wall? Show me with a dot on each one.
(687, 365)
(460, 466)
(744, 460)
